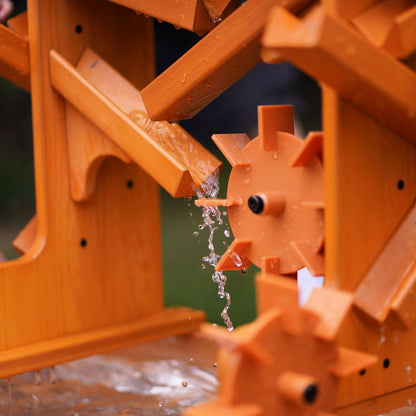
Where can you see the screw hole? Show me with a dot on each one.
(310, 394)
(83, 242)
(78, 29)
(386, 363)
(400, 184)
(129, 183)
(362, 372)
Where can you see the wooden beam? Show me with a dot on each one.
(161, 160)
(334, 54)
(193, 15)
(14, 58)
(215, 63)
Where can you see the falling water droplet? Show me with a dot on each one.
(243, 271)
(184, 383)
(203, 266)
(195, 234)
(38, 378)
(160, 404)
(215, 365)
(227, 233)
(235, 258)
(52, 375)
(191, 361)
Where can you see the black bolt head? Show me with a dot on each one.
(310, 394)
(256, 204)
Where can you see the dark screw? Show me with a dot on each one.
(256, 204)
(400, 184)
(310, 394)
(78, 29)
(386, 363)
(83, 242)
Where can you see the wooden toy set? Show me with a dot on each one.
(341, 202)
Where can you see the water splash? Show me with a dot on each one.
(212, 219)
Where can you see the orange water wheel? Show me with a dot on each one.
(275, 196)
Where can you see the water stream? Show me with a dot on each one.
(212, 220)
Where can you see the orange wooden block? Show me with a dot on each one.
(199, 16)
(390, 271)
(331, 52)
(14, 58)
(215, 63)
(390, 25)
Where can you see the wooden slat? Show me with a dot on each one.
(333, 54)
(187, 14)
(14, 58)
(377, 290)
(155, 160)
(55, 351)
(215, 63)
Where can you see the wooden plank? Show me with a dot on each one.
(332, 53)
(139, 145)
(50, 352)
(390, 25)
(348, 9)
(215, 63)
(378, 288)
(14, 58)
(192, 15)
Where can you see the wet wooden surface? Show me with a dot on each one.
(158, 378)
(154, 379)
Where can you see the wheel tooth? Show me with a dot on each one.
(273, 119)
(270, 265)
(315, 262)
(312, 146)
(351, 361)
(231, 146)
(217, 202)
(234, 258)
(332, 306)
(314, 204)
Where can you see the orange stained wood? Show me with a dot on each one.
(19, 25)
(215, 63)
(196, 15)
(390, 271)
(390, 25)
(169, 144)
(25, 239)
(365, 163)
(14, 58)
(268, 363)
(165, 151)
(331, 52)
(94, 269)
(348, 9)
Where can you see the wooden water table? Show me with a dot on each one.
(341, 202)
